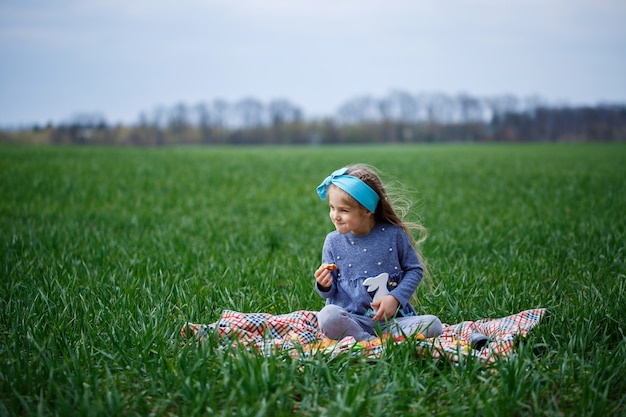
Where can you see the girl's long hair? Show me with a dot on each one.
(393, 208)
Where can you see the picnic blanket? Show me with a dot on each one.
(298, 333)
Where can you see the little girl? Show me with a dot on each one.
(371, 240)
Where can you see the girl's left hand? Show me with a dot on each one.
(387, 307)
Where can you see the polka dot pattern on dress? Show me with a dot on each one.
(364, 257)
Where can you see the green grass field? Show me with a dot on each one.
(107, 252)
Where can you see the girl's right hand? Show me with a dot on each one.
(323, 277)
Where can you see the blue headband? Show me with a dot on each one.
(359, 190)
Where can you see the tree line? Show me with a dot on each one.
(399, 117)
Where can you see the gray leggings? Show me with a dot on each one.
(336, 323)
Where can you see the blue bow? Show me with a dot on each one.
(358, 189)
(322, 189)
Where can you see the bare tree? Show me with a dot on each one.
(471, 109)
(250, 111)
(404, 106)
(204, 122)
(359, 110)
(178, 122)
(283, 111)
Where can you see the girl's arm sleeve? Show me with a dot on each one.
(412, 268)
(326, 294)
(327, 257)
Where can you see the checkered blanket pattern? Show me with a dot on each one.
(262, 332)
(454, 341)
(298, 333)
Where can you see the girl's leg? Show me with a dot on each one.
(336, 323)
(428, 325)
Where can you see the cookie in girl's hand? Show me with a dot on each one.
(330, 267)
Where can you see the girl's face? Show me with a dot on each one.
(348, 215)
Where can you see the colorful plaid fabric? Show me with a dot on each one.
(455, 339)
(298, 332)
(263, 332)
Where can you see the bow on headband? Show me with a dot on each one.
(358, 189)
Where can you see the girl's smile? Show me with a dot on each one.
(348, 216)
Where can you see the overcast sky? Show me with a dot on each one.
(120, 57)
